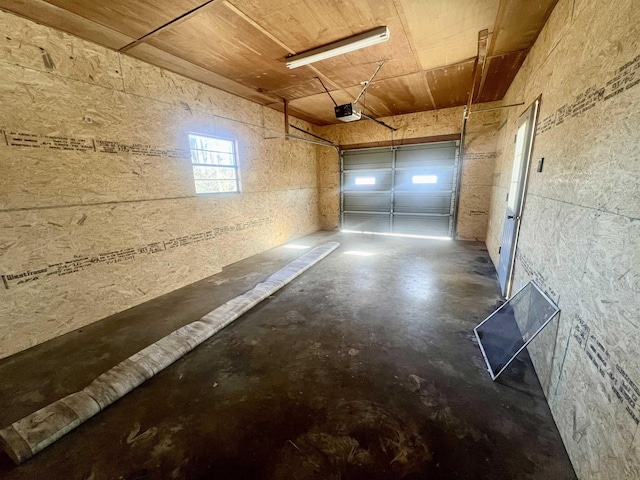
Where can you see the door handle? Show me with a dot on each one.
(510, 217)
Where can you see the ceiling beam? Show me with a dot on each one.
(478, 67)
(172, 23)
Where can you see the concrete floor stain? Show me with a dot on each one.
(362, 368)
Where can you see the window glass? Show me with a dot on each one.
(215, 168)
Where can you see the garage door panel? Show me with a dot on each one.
(368, 160)
(367, 202)
(360, 181)
(421, 225)
(407, 189)
(426, 157)
(363, 222)
(422, 203)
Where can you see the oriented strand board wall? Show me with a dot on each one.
(98, 210)
(580, 237)
(477, 164)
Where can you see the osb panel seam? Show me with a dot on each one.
(63, 77)
(586, 207)
(83, 263)
(98, 194)
(123, 90)
(580, 229)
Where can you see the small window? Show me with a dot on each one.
(365, 180)
(423, 179)
(215, 166)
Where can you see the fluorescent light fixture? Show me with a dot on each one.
(421, 179)
(366, 39)
(365, 180)
(297, 247)
(404, 235)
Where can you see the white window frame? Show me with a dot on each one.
(235, 165)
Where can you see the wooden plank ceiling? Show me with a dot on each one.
(240, 46)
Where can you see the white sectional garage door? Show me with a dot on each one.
(408, 189)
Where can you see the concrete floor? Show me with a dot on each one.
(365, 367)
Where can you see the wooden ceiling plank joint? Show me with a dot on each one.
(257, 26)
(275, 39)
(172, 23)
(403, 21)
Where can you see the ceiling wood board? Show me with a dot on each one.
(174, 22)
(293, 112)
(240, 46)
(518, 24)
(303, 89)
(500, 72)
(406, 94)
(443, 32)
(223, 42)
(356, 67)
(451, 85)
(135, 18)
(306, 24)
(175, 64)
(56, 17)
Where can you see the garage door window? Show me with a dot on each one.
(365, 180)
(424, 179)
(215, 165)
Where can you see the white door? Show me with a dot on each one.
(515, 198)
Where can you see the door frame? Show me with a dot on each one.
(524, 185)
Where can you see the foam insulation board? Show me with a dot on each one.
(477, 162)
(98, 210)
(579, 234)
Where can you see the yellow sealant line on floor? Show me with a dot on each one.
(26, 437)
